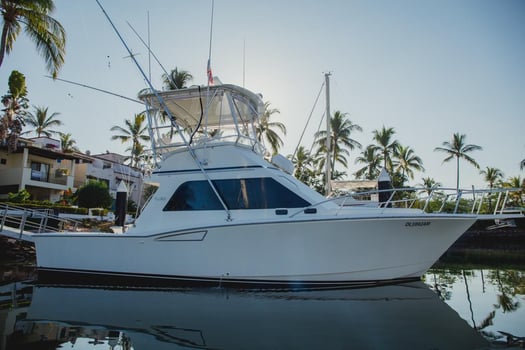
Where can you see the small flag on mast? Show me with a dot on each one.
(210, 75)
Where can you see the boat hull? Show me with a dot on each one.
(296, 253)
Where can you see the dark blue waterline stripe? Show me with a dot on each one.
(103, 278)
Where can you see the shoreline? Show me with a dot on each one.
(478, 246)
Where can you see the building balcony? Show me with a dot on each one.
(56, 179)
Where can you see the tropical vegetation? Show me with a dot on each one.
(67, 143)
(135, 131)
(491, 175)
(372, 160)
(15, 104)
(307, 169)
(94, 194)
(341, 141)
(41, 122)
(386, 145)
(429, 184)
(265, 128)
(516, 197)
(176, 79)
(34, 17)
(406, 161)
(458, 149)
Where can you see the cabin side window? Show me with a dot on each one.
(252, 193)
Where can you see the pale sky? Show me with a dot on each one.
(427, 68)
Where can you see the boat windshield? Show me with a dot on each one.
(250, 193)
(203, 114)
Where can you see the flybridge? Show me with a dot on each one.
(220, 113)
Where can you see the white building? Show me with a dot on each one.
(41, 167)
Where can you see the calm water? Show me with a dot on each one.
(450, 309)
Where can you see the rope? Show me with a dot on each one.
(308, 121)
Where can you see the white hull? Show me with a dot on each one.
(315, 252)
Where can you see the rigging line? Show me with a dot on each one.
(308, 121)
(152, 53)
(149, 51)
(96, 89)
(170, 115)
(318, 129)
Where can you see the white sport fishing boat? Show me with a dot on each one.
(225, 214)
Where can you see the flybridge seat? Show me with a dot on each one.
(220, 113)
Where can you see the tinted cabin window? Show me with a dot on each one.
(257, 193)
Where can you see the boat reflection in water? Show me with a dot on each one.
(403, 316)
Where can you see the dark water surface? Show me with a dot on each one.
(450, 309)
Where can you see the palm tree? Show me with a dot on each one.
(15, 103)
(341, 130)
(522, 164)
(41, 122)
(429, 184)
(67, 143)
(176, 79)
(407, 161)
(372, 160)
(458, 149)
(135, 132)
(386, 145)
(46, 32)
(491, 175)
(138, 155)
(305, 170)
(264, 129)
(516, 182)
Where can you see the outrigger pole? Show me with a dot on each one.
(96, 89)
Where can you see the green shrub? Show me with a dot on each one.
(94, 194)
(19, 197)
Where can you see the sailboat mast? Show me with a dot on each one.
(328, 164)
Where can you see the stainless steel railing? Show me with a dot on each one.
(33, 220)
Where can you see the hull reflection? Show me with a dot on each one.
(405, 316)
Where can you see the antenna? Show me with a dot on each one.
(243, 62)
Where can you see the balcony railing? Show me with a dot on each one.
(57, 176)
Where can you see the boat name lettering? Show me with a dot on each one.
(417, 223)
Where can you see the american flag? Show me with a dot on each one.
(210, 75)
